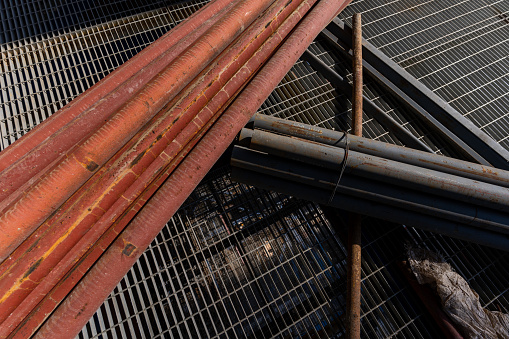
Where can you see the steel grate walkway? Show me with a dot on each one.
(459, 49)
(265, 264)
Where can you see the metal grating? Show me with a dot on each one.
(43, 72)
(234, 262)
(459, 49)
(298, 288)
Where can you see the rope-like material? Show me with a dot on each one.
(343, 166)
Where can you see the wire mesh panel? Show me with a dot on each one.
(459, 49)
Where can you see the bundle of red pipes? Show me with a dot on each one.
(84, 193)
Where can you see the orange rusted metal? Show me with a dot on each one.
(23, 163)
(113, 192)
(83, 301)
(26, 213)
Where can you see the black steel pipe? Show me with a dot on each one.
(376, 168)
(371, 190)
(431, 161)
(381, 211)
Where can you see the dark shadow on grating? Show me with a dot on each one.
(234, 262)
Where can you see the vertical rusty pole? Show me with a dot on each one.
(353, 299)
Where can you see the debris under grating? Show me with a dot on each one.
(458, 300)
(234, 262)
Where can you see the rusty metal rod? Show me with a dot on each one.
(127, 248)
(369, 106)
(384, 150)
(437, 114)
(353, 280)
(64, 231)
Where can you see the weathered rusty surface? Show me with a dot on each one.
(83, 301)
(25, 214)
(104, 202)
(436, 162)
(24, 162)
(353, 280)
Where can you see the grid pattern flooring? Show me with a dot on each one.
(234, 262)
(43, 72)
(459, 49)
(278, 254)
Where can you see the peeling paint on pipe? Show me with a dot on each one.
(25, 161)
(83, 301)
(25, 214)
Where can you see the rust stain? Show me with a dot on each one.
(32, 268)
(129, 249)
(92, 166)
(81, 311)
(137, 159)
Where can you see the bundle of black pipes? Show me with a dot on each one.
(457, 198)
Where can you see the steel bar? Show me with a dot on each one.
(376, 210)
(369, 107)
(148, 222)
(384, 150)
(393, 172)
(372, 190)
(454, 141)
(25, 214)
(58, 238)
(428, 104)
(354, 249)
(49, 141)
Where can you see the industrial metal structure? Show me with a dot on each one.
(236, 261)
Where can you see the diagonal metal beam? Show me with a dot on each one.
(460, 132)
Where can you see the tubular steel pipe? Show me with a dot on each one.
(372, 190)
(353, 280)
(129, 246)
(368, 106)
(106, 85)
(376, 210)
(436, 162)
(60, 239)
(389, 171)
(22, 163)
(26, 213)
(251, 65)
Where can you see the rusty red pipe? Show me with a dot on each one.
(22, 163)
(80, 305)
(39, 260)
(282, 9)
(25, 214)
